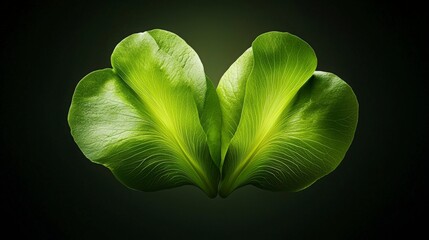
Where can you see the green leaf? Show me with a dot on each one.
(287, 129)
(149, 119)
(211, 120)
(230, 90)
(156, 121)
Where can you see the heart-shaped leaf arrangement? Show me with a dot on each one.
(156, 121)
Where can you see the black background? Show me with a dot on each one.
(50, 190)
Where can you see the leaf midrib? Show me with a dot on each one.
(161, 115)
(263, 136)
(189, 159)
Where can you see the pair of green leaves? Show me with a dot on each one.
(157, 122)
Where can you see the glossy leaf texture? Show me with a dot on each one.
(284, 125)
(154, 118)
